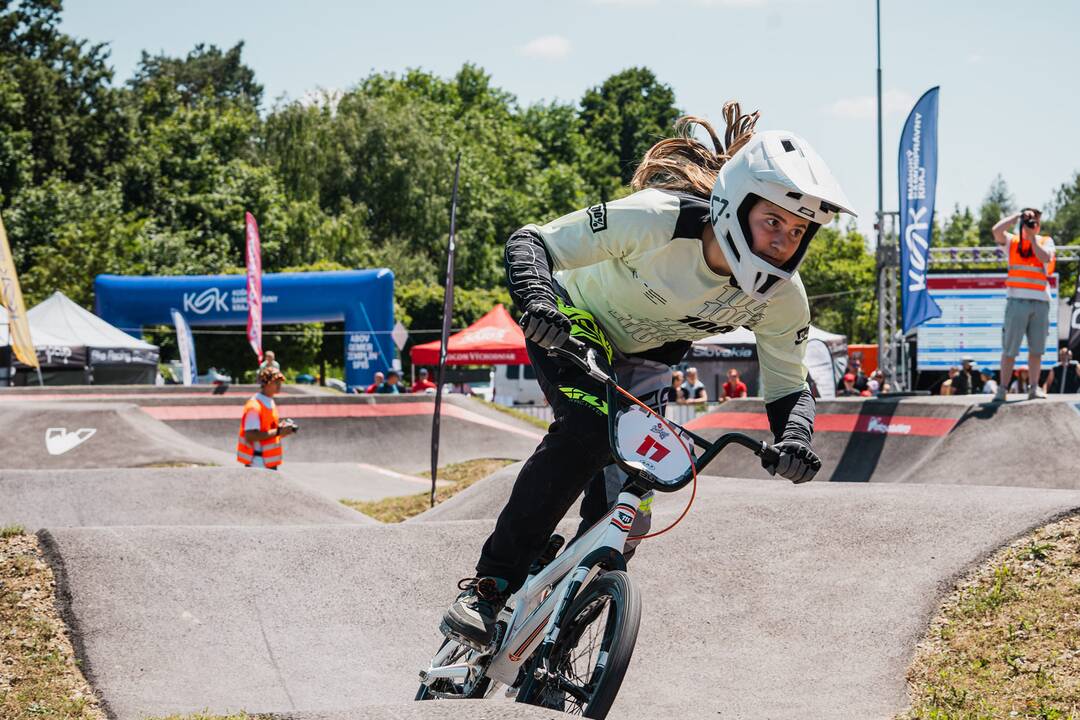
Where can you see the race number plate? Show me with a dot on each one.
(644, 442)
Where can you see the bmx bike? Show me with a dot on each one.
(564, 640)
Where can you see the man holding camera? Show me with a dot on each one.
(260, 431)
(1027, 290)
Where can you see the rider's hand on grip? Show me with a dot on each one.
(545, 325)
(796, 462)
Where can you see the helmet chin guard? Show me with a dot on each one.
(784, 169)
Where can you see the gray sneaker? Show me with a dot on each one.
(999, 396)
(471, 619)
(1036, 393)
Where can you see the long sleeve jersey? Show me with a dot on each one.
(637, 265)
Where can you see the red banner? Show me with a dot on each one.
(254, 285)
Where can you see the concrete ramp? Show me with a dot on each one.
(770, 600)
(162, 496)
(53, 435)
(394, 433)
(953, 440)
(480, 501)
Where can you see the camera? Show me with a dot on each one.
(291, 424)
(1031, 222)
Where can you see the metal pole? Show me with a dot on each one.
(879, 225)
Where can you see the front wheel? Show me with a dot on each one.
(592, 652)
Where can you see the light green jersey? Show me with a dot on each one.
(637, 265)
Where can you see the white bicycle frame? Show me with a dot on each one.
(533, 618)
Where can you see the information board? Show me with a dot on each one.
(972, 310)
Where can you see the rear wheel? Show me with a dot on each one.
(593, 651)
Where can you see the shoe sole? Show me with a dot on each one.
(451, 634)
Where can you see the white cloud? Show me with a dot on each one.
(548, 47)
(975, 58)
(863, 107)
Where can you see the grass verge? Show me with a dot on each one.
(1007, 642)
(460, 475)
(39, 675)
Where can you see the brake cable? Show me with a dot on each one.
(693, 468)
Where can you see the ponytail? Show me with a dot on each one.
(684, 164)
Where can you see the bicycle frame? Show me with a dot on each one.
(537, 618)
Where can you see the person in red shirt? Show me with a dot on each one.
(734, 387)
(370, 389)
(422, 384)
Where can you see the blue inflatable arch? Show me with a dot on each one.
(363, 299)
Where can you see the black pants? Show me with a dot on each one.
(571, 456)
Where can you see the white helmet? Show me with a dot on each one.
(782, 168)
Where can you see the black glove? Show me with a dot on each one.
(545, 325)
(798, 463)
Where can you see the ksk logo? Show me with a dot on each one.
(59, 441)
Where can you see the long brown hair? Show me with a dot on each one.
(685, 164)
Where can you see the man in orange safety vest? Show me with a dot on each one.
(1027, 291)
(259, 444)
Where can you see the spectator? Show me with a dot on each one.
(379, 378)
(947, 384)
(673, 393)
(989, 386)
(392, 385)
(269, 361)
(1027, 290)
(693, 389)
(874, 383)
(422, 384)
(855, 368)
(962, 383)
(847, 386)
(1065, 376)
(734, 387)
(1021, 381)
(260, 430)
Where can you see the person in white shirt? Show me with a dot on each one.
(711, 240)
(990, 387)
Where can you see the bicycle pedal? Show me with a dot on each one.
(554, 544)
(449, 634)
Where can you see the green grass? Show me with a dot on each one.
(459, 475)
(8, 531)
(1007, 642)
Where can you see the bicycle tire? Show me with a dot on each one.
(479, 690)
(614, 593)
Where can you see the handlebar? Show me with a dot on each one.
(584, 357)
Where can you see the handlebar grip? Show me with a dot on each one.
(574, 345)
(770, 456)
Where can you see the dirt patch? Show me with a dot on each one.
(39, 675)
(1006, 643)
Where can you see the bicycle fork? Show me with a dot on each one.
(618, 523)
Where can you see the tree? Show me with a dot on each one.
(622, 118)
(206, 72)
(59, 114)
(838, 273)
(960, 229)
(1064, 213)
(999, 202)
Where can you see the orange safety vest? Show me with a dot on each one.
(269, 450)
(1028, 273)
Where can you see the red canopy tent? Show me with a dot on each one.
(494, 339)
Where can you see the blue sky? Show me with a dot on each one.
(1007, 70)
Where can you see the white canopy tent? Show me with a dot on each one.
(826, 359)
(75, 346)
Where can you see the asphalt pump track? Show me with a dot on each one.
(769, 600)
